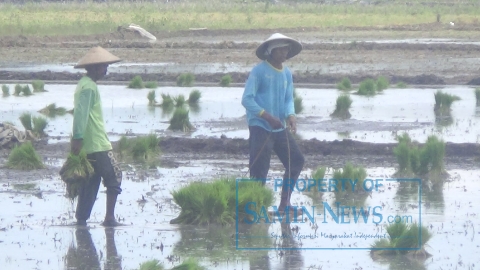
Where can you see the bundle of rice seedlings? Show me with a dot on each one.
(38, 86)
(151, 85)
(179, 100)
(26, 91)
(443, 101)
(18, 90)
(151, 265)
(190, 264)
(297, 102)
(39, 125)
(344, 84)
(342, 107)
(26, 120)
(226, 80)
(5, 90)
(401, 238)
(52, 110)
(215, 202)
(367, 87)
(75, 172)
(353, 173)
(180, 120)
(185, 79)
(382, 83)
(143, 149)
(167, 100)
(123, 145)
(432, 156)
(194, 96)
(136, 83)
(151, 98)
(24, 157)
(319, 173)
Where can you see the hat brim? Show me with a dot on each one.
(295, 48)
(97, 63)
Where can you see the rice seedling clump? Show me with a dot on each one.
(226, 80)
(367, 87)
(136, 83)
(180, 120)
(76, 172)
(297, 102)
(215, 202)
(151, 85)
(5, 90)
(401, 238)
(194, 96)
(52, 110)
(382, 83)
(38, 86)
(185, 80)
(342, 107)
(344, 84)
(24, 157)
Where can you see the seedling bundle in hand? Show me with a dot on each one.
(75, 173)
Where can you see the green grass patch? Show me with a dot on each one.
(402, 85)
(194, 96)
(24, 157)
(344, 84)
(38, 86)
(367, 87)
(342, 107)
(94, 18)
(401, 237)
(180, 120)
(39, 125)
(76, 172)
(26, 120)
(136, 83)
(382, 83)
(443, 101)
(151, 85)
(226, 80)
(5, 90)
(215, 202)
(185, 80)
(151, 96)
(52, 110)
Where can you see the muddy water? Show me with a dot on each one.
(33, 234)
(374, 119)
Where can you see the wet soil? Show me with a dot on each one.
(412, 54)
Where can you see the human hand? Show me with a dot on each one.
(76, 146)
(274, 122)
(292, 124)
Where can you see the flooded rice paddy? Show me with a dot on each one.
(34, 231)
(374, 119)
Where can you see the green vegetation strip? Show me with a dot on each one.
(94, 18)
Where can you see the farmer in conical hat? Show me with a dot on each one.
(89, 134)
(268, 99)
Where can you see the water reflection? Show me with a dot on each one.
(291, 257)
(444, 119)
(399, 262)
(84, 255)
(407, 196)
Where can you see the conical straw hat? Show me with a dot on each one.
(295, 46)
(97, 55)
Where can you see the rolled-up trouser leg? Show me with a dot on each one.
(260, 145)
(292, 159)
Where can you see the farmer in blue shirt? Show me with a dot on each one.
(268, 99)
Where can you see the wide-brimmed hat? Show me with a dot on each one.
(97, 55)
(295, 46)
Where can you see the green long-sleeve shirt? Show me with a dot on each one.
(88, 121)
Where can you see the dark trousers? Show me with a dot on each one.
(261, 144)
(105, 168)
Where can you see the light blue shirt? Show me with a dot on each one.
(269, 89)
